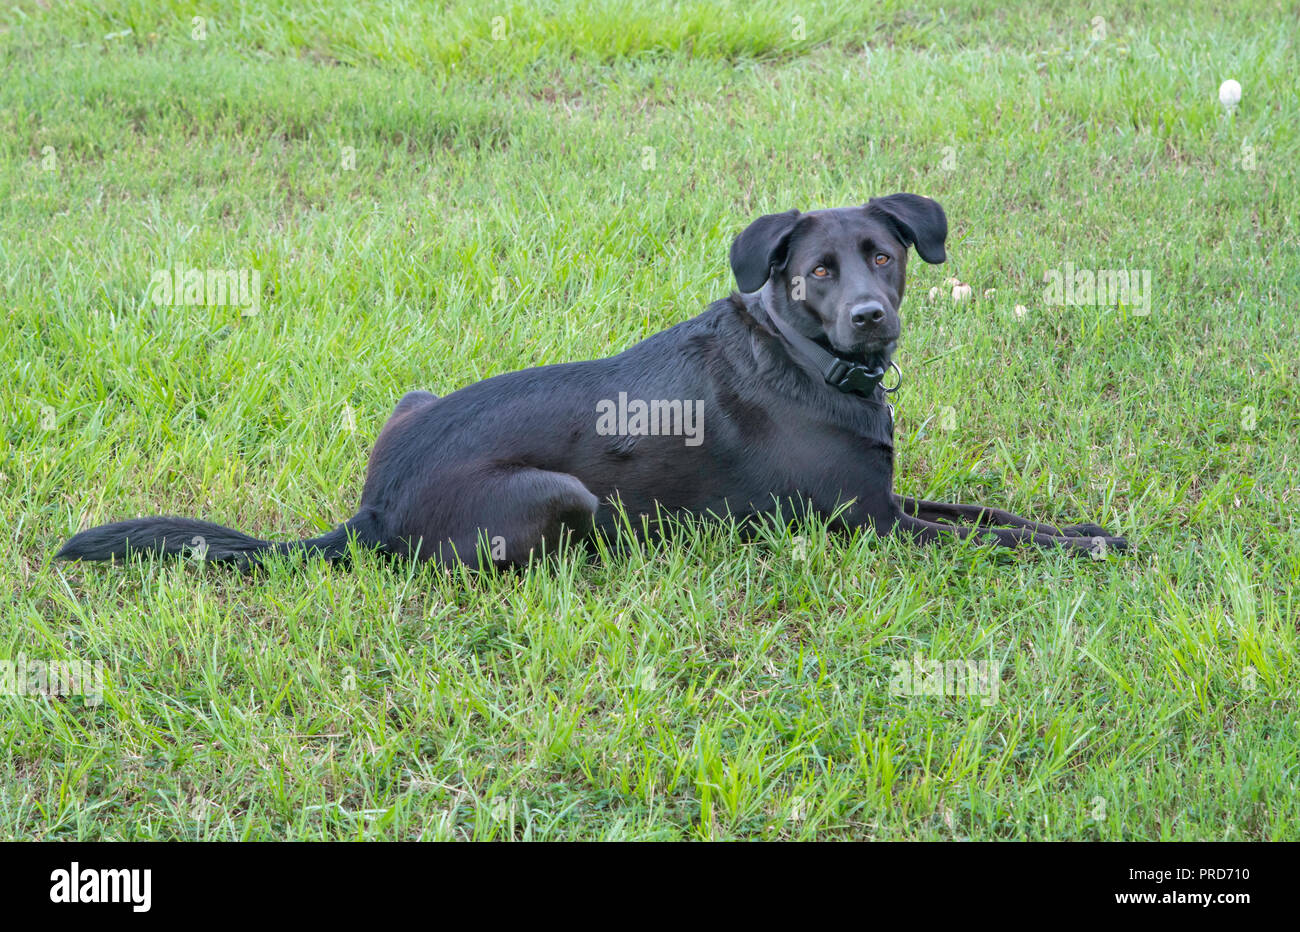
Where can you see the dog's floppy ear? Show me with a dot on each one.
(920, 222)
(762, 245)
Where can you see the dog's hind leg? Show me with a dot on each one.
(503, 517)
(412, 400)
(407, 405)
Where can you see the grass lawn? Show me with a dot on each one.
(432, 195)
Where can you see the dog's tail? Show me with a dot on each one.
(202, 540)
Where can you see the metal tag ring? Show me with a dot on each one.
(899, 373)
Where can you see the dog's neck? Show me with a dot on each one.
(773, 300)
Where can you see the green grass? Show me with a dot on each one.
(500, 215)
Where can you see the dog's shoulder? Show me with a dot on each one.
(696, 336)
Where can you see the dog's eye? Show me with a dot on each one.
(882, 259)
(820, 272)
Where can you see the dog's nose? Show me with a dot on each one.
(864, 315)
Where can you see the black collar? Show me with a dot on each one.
(848, 377)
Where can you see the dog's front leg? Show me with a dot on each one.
(926, 532)
(981, 515)
(984, 516)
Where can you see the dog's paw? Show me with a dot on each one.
(1100, 546)
(1086, 530)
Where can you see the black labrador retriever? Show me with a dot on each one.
(771, 400)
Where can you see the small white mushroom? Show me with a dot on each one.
(1230, 93)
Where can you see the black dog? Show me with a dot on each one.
(770, 399)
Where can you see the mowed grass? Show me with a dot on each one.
(429, 205)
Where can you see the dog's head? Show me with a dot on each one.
(838, 275)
